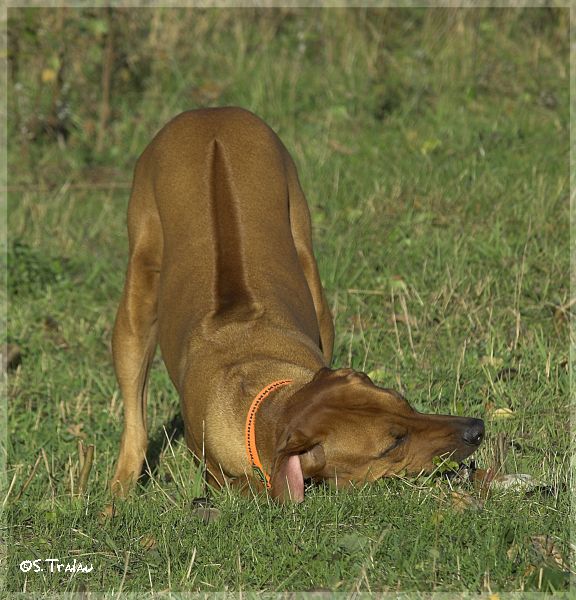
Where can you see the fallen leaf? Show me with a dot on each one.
(48, 75)
(75, 430)
(148, 542)
(515, 481)
(207, 515)
(548, 551)
(486, 479)
(201, 508)
(501, 413)
(461, 501)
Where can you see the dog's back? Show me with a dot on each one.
(221, 181)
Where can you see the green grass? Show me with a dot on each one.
(433, 150)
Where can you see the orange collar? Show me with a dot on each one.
(250, 431)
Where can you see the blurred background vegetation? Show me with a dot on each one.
(89, 86)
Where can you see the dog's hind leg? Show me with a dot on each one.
(135, 331)
(302, 234)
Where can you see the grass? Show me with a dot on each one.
(432, 146)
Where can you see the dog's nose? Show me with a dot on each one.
(474, 432)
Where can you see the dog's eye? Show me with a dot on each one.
(398, 439)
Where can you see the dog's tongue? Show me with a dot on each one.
(295, 478)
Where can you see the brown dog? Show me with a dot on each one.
(222, 275)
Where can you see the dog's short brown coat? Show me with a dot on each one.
(222, 275)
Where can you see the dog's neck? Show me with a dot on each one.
(271, 414)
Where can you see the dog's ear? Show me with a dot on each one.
(300, 456)
(322, 373)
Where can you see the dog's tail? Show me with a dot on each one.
(232, 292)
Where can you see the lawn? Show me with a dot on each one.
(433, 148)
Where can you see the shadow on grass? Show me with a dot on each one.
(169, 432)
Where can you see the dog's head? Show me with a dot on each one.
(343, 428)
